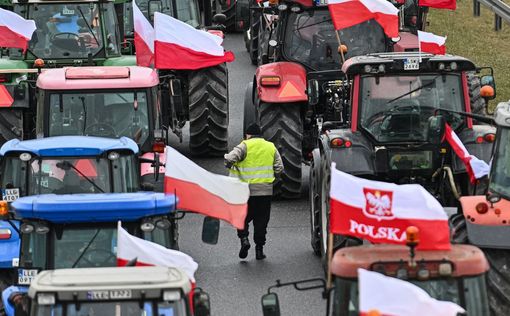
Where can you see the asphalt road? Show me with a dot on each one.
(236, 286)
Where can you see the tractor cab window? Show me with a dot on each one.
(500, 170)
(102, 114)
(471, 290)
(124, 308)
(311, 39)
(397, 108)
(184, 10)
(83, 245)
(14, 174)
(71, 30)
(68, 176)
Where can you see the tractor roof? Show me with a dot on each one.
(97, 77)
(394, 63)
(466, 260)
(58, 1)
(94, 208)
(502, 114)
(69, 146)
(149, 282)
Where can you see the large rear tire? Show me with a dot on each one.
(249, 115)
(476, 101)
(11, 125)
(208, 111)
(281, 124)
(254, 38)
(498, 281)
(315, 202)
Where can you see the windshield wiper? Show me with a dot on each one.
(66, 165)
(413, 91)
(88, 25)
(308, 25)
(86, 248)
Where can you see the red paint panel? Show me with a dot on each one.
(292, 87)
(467, 99)
(355, 104)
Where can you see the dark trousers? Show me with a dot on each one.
(259, 210)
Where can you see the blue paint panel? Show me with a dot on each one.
(91, 208)
(69, 146)
(9, 248)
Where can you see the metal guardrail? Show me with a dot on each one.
(501, 11)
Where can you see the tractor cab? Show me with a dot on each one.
(100, 101)
(68, 165)
(69, 32)
(456, 275)
(115, 291)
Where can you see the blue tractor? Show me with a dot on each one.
(63, 165)
(80, 231)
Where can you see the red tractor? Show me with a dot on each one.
(302, 49)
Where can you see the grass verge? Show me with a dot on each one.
(475, 38)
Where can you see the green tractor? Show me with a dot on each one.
(69, 33)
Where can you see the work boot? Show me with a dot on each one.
(245, 246)
(259, 253)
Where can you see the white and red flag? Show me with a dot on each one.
(431, 43)
(204, 192)
(380, 212)
(144, 38)
(178, 45)
(476, 168)
(439, 4)
(346, 13)
(148, 253)
(395, 297)
(15, 30)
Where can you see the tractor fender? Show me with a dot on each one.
(481, 150)
(8, 307)
(356, 159)
(9, 248)
(292, 87)
(489, 229)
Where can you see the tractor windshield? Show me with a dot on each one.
(184, 10)
(104, 114)
(468, 291)
(397, 108)
(124, 308)
(81, 245)
(69, 175)
(72, 30)
(500, 169)
(310, 39)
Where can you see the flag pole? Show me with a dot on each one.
(330, 259)
(340, 46)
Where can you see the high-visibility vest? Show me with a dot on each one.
(257, 166)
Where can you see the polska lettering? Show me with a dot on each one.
(389, 233)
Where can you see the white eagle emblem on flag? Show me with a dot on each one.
(378, 204)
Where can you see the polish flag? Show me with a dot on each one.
(204, 192)
(15, 30)
(431, 43)
(144, 38)
(148, 253)
(380, 212)
(395, 297)
(476, 168)
(439, 4)
(180, 46)
(346, 13)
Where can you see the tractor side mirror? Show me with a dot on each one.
(313, 91)
(270, 305)
(154, 6)
(201, 303)
(435, 129)
(488, 89)
(210, 230)
(219, 18)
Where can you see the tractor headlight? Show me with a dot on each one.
(147, 226)
(26, 228)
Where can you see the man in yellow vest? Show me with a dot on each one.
(255, 161)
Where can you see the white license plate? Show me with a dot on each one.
(10, 195)
(412, 64)
(109, 295)
(26, 276)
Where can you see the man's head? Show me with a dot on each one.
(253, 130)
